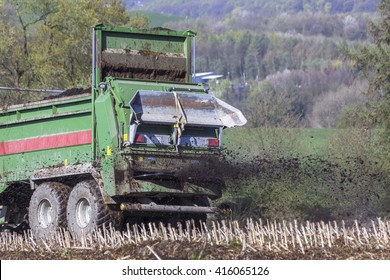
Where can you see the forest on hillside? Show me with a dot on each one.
(220, 8)
(284, 63)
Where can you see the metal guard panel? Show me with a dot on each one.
(198, 109)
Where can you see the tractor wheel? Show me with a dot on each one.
(86, 210)
(47, 210)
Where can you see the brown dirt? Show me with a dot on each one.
(70, 92)
(189, 251)
(123, 71)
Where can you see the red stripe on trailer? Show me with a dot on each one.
(46, 142)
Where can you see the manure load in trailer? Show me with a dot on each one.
(140, 145)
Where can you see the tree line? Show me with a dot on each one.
(294, 59)
(221, 8)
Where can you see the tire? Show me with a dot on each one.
(47, 209)
(86, 210)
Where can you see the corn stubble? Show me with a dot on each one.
(256, 239)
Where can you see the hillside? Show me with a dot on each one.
(220, 8)
(291, 50)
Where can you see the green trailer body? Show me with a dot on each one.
(140, 143)
(44, 134)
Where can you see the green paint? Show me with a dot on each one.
(38, 120)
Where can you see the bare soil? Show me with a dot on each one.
(169, 250)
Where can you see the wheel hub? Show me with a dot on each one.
(83, 212)
(45, 213)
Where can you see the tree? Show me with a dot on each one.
(139, 20)
(373, 60)
(12, 64)
(16, 21)
(256, 52)
(269, 108)
(47, 43)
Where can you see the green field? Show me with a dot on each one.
(289, 141)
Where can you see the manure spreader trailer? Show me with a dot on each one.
(141, 143)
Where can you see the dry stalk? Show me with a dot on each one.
(300, 244)
(255, 234)
(153, 252)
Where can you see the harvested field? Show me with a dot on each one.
(216, 240)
